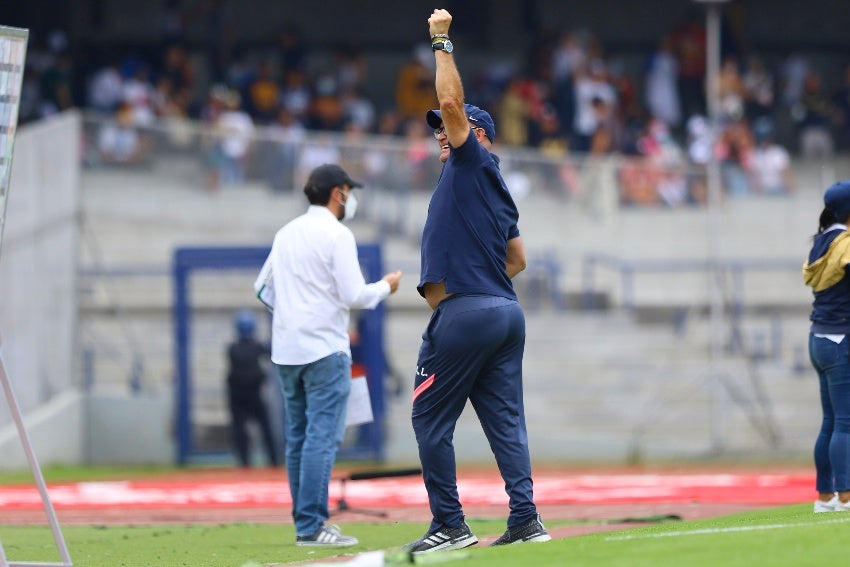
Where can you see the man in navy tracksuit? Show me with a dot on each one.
(473, 345)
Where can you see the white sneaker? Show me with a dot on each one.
(841, 506)
(831, 506)
(326, 536)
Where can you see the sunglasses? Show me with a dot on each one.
(439, 131)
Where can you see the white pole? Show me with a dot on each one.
(715, 273)
(36, 472)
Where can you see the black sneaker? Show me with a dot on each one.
(443, 539)
(528, 532)
(326, 536)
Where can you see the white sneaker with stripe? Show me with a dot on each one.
(326, 536)
(444, 539)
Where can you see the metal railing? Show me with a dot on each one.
(734, 271)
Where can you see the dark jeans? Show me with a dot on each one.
(832, 448)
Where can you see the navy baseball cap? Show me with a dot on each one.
(837, 198)
(481, 118)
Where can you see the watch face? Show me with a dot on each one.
(448, 46)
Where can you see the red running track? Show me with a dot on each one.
(549, 488)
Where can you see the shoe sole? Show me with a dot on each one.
(534, 539)
(450, 545)
(316, 544)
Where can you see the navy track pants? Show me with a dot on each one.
(472, 349)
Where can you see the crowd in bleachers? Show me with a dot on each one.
(568, 98)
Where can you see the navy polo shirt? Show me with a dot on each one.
(470, 219)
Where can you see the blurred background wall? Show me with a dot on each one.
(659, 327)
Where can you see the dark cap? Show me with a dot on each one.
(837, 198)
(475, 115)
(330, 175)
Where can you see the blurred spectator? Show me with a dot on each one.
(232, 134)
(263, 93)
(320, 149)
(658, 176)
(349, 66)
(556, 174)
(55, 88)
(326, 111)
(732, 93)
(770, 164)
(30, 105)
(180, 72)
(638, 183)
(358, 109)
(792, 75)
(285, 137)
(235, 131)
(420, 156)
(119, 141)
(568, 55)
(241, 72)
(514, 113)
(734, 150)
(759, 89)
(138, 91)
(700, 140)
(660, 89)
(665, 156)
(414, 86)
(354, 148)
(608, 137)
(628, 114)
(290, 49)
(842, 102)
(689, 41)
(106, 88)
(590, 84)
(390, 123)
(214, 105)
(816, 115)
(172, 110)
(295, 95)
(700, 149)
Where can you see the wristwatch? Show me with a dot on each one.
(446, 46)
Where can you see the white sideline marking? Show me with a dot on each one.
(725, 530)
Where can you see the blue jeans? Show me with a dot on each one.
(315, 397)
(832, 448)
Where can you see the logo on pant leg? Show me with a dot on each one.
(423, 386)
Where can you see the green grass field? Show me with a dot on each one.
(790, 535)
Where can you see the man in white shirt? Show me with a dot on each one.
(311, 280)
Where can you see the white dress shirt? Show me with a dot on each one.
(316, 280)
